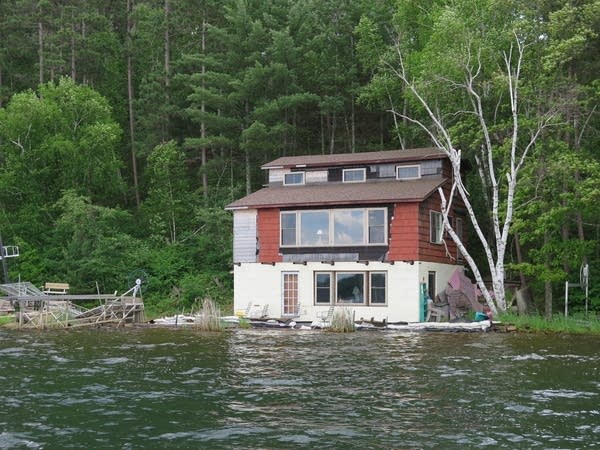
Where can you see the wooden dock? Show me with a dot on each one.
(34, 309)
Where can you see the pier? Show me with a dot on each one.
(36, 309)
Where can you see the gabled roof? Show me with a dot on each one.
(389, 191)
(389, 156)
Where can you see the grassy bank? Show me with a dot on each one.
(576, 324)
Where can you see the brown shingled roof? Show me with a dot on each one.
(391, 191)
(356, 158)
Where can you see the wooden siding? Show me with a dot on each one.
(268, 235)
(445, 252)
(403, 233)
(244, 235)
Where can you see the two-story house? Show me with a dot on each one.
(363, 230)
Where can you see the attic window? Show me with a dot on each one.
(408, 172)
(293, 178)
(354, 175)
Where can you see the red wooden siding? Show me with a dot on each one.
(445, 252)
(268, 235)
(403, 245)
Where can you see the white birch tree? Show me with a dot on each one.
(498, 162)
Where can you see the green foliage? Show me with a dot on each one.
(246, 82)
(576, 324)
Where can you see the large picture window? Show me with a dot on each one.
(314, 228)
(348, 227)
(360, 288)
(336, 227)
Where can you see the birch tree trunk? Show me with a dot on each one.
(520, 145)
(130, 98)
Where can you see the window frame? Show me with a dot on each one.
(440, 234)
(367, 292)
(431, 284)
(363, 170)
(385, 288)
(316, 288)
(303, 177)
(281, 229)
(330, 231)
(398, 177)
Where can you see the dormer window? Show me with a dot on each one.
(408, 172)
(293, 178)
(354, 175)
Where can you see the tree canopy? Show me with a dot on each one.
(125, 128)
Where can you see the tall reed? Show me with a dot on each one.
(209, 317)
(342, 321)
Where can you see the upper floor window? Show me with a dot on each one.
(436, 227)
(292, 178)
(335, 227)
(354, 175)
(408, 172)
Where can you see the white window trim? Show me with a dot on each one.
(441, 233)
(281, 244)
(283, 274)
(330, 243)
(398, 177)
(364, 175)
(371, 287)
(333, 280)
(331, 289)
(294, 173)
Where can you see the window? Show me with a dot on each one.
(290, 293)
(435, 227)
(408, 172)
(354, 175)
(348, 226)
(350, 287)
(377, 226)
(362, 288)
(292, 178)
(336, 227)
(322, 288)
(288, 228)
(431, 288)
(314, 228)
(378, 287)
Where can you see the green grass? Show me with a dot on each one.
(6, 319)
(575, 324)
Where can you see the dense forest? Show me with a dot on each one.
(126, 126)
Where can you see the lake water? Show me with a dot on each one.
(178, 388)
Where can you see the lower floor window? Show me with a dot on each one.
(360, 288)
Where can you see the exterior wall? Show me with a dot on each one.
(258, 285)
(443, 273)
(244, 235)
(268, 235)
(403, 233)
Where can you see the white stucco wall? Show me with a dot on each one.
(443, 273)
(258, 285)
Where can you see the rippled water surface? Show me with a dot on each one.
(176, 388)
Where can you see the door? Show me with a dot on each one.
(290, 293)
